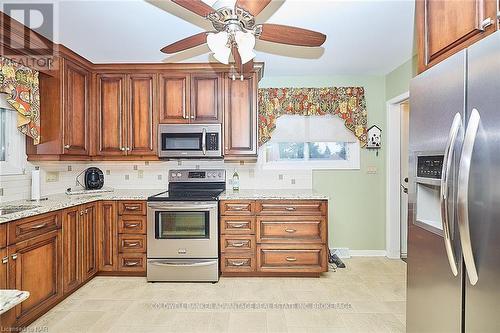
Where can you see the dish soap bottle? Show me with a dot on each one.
(236, 181)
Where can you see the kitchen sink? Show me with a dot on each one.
(15, 209)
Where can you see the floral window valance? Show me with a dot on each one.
(346, 102)
(21, 85)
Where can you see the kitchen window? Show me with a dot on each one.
(12, 143)
(319, 142)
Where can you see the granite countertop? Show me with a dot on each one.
(276, 194)
(9, 298)
(61, 201)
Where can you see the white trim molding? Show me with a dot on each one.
(368, 253)
(393, 176)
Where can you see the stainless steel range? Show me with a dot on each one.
(183, 227)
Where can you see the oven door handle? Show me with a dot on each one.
(175, 207)
(183, 264)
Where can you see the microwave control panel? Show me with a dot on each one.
(430, 166)
(212, 141)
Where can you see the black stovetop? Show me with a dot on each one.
(187, 195)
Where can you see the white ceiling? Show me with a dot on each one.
(364, 37)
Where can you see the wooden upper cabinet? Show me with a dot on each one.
(76, 109)
(174, 98)
(111, 114)
(445, 27)
(206, 98)
(240, 118)
(142, 120)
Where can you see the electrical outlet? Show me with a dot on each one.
(292, 181)
(127, 177)
(159, 177)
(108, 172)
(70, 168)
(52, 176)
(280, 177)
(135, 167)
(242, 162)
(140, 174)
(179, 162)
(146, 163)
(371, 170)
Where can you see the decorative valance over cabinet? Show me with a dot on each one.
(347, 103)
(20, 83)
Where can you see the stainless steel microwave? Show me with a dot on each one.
(189, 141)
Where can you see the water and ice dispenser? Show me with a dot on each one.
(428, 191)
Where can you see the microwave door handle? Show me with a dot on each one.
(447, 162)
(463, 195)
(204, 141)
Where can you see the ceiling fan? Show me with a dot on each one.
(236, 31)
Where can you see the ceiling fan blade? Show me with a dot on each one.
(284, 34)
(186, 43)
(254, 7)
(195, 6)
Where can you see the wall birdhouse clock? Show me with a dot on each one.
(374, 138)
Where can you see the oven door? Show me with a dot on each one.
(182, 230)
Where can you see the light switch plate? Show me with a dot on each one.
(52, 176)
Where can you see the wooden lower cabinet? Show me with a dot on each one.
(108, 236)
(4, 261)
(72, 270)
(274, 237)
(35, 265)
(89, 241)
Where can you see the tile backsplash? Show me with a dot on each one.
(56, 177)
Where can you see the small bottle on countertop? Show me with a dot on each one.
(236, 181)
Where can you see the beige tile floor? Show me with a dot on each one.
(367, 296)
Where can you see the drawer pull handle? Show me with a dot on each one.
(131, 225)
(238, 225)
(238, 208)
(291, 259)
(5, 260)
(131, 263)
(238, 244)
(236, 263)
(290, 209)
(291, 231)
(132, 244)
(132, 207)
(39, 226)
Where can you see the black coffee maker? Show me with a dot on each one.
(94, 179)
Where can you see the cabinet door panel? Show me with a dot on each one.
(205, 99)
(108, 236)
(4, 261)
(240, 118)
(35, 265)
(142, 119)
(76, 109)
(71, 249)
(445, 27)
(174, 98)
(111, 116)
(89, 242)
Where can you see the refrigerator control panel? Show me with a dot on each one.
(430, 166)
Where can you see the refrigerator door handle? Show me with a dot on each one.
(463, 195)
(447, 162)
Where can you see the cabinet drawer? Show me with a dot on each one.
(291, 207)
(132, 262)
(287, 258)
(132, 224)
(237, 207)
(241, 262)
(237, 225)
(3, 235)
(291, 229)
(132, 243)
(132, 208)
(33, 226)
(232, 243)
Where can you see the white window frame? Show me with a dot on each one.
(15, 147)
(352, 163)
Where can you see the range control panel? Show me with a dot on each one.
(197, 175)
(430, 166)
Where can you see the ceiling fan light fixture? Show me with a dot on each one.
(246, 44)
(217, 43)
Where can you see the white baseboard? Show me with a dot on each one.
(368, 253)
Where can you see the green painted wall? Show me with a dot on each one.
(397, 82)
(357, 199)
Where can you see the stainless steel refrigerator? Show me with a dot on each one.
(454, 197)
